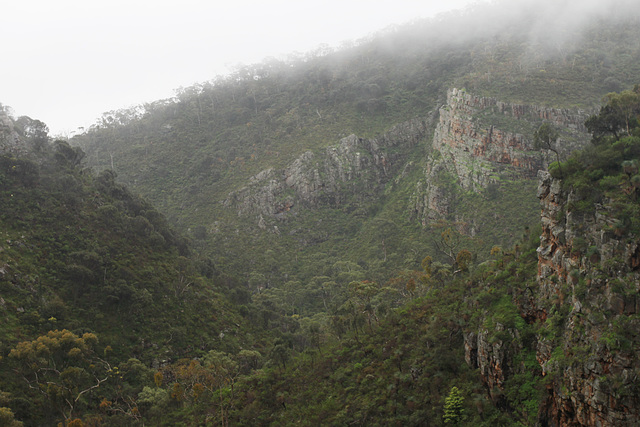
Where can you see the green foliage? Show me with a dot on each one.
(546, 137)
(525, 389)
(608, 168)
(188, 153)
(7, 418)
(153, 396)
(63, 366)
(375, 368)
(453, 407)
(82, 256)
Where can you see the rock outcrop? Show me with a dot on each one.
(354, 167)
(588, 282)
(493, 358)
(468, 153)
(474, 146)
(477, 152)
(586, 310)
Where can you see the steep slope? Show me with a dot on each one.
(580, 348)
(548, 328)
(260, 142)
(364, 328)
(588, 283)
(480, 142)
(583, 307)
(355, 166)
(84, 261)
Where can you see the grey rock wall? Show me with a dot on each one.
(353, 166)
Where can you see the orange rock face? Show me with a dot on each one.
(590, 361)
(597, 385)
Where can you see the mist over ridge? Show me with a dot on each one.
(549, 24)
(546, 28)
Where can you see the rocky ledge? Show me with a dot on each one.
(586, 308)
(355, 165)
(470, 146)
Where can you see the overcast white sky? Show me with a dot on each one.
(65, 62)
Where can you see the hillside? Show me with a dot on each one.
(543, 333)
(437, 225)
(269, 155)
(83, 255)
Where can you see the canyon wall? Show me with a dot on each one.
(589, 279)
(354, 167)
(585, 313)
(479, 142)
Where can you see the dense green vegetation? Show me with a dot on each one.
(80, 253)
(400, 371)
(608, 170)
(110, 317)
(373, 364)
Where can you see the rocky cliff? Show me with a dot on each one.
(588, 283)
(481, 141)
(354, 167)
(585, 314)
(475, 144)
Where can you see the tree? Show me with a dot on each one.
(426, 266)
(626, 105)
(605, 123)
(463, 260)
(62, 367)
(280, 354)
(7, 419)
(362, 294)
(248, 360)
(453, 407)
(35, 131)
(225, 371)
(618, 115)
(409, 284)
(185, 272)
(448, 245)
(155, 399)
(546, 138)
(67, 155)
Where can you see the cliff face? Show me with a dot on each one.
(480, 141)
(355, 166)
(493, 359)
(588, 282)
(473, 145)
(585, 311)
(476, 150)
